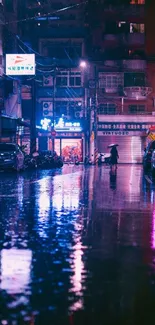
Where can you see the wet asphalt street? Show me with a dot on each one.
(77, 246)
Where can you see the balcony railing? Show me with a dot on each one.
(136, 92)
(134, 65)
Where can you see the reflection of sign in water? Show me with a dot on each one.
(20, 64)
(15, 270)
(92, 136)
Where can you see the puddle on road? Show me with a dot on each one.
(74, 249)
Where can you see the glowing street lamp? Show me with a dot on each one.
(83, 64)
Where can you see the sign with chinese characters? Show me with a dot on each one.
(20, 64)
(70, 135)
(115, 127)
(61, 135)
(62, 126)
(121, 133)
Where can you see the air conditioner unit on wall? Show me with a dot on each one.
(47, 80)
(47, 109)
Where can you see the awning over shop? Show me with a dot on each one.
(8, 125)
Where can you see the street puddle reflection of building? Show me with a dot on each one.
(153, 230)
(15, 257)
(76, 278)
(66, 200)
(43, 204)
(66, 191)
(15, 270)
(127, 191)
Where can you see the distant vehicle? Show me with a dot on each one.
(148, 155)
(11, 157)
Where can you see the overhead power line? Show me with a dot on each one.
(47, 14)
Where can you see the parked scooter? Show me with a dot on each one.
(30, 162)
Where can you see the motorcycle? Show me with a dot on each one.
(30, 162)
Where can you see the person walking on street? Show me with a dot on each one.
(114, 157)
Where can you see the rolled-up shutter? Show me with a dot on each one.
(130, 148)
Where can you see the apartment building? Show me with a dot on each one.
(59, 38)
(122, 49)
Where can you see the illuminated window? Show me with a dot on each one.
(137, 28)
(137, 2)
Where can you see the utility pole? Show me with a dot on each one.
(33, 119)
(54, 89)
(0, 125)
(95, 117)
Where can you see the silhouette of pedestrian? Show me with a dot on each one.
(114, 157)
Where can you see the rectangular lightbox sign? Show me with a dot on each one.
(20, 64)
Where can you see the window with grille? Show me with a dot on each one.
(107, 108)
(134, 109)
(110, 80)
(75, 79)
(68, 79)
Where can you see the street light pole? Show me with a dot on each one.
(33, 120)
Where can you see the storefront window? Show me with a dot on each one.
(72, 149)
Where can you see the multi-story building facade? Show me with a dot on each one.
(116, 37)
(123, 51)
(60, 41)
(9, 95)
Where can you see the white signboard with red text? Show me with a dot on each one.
(20, 64)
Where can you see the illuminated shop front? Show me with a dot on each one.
(68, 142)
(130, 136)
(69, 146)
